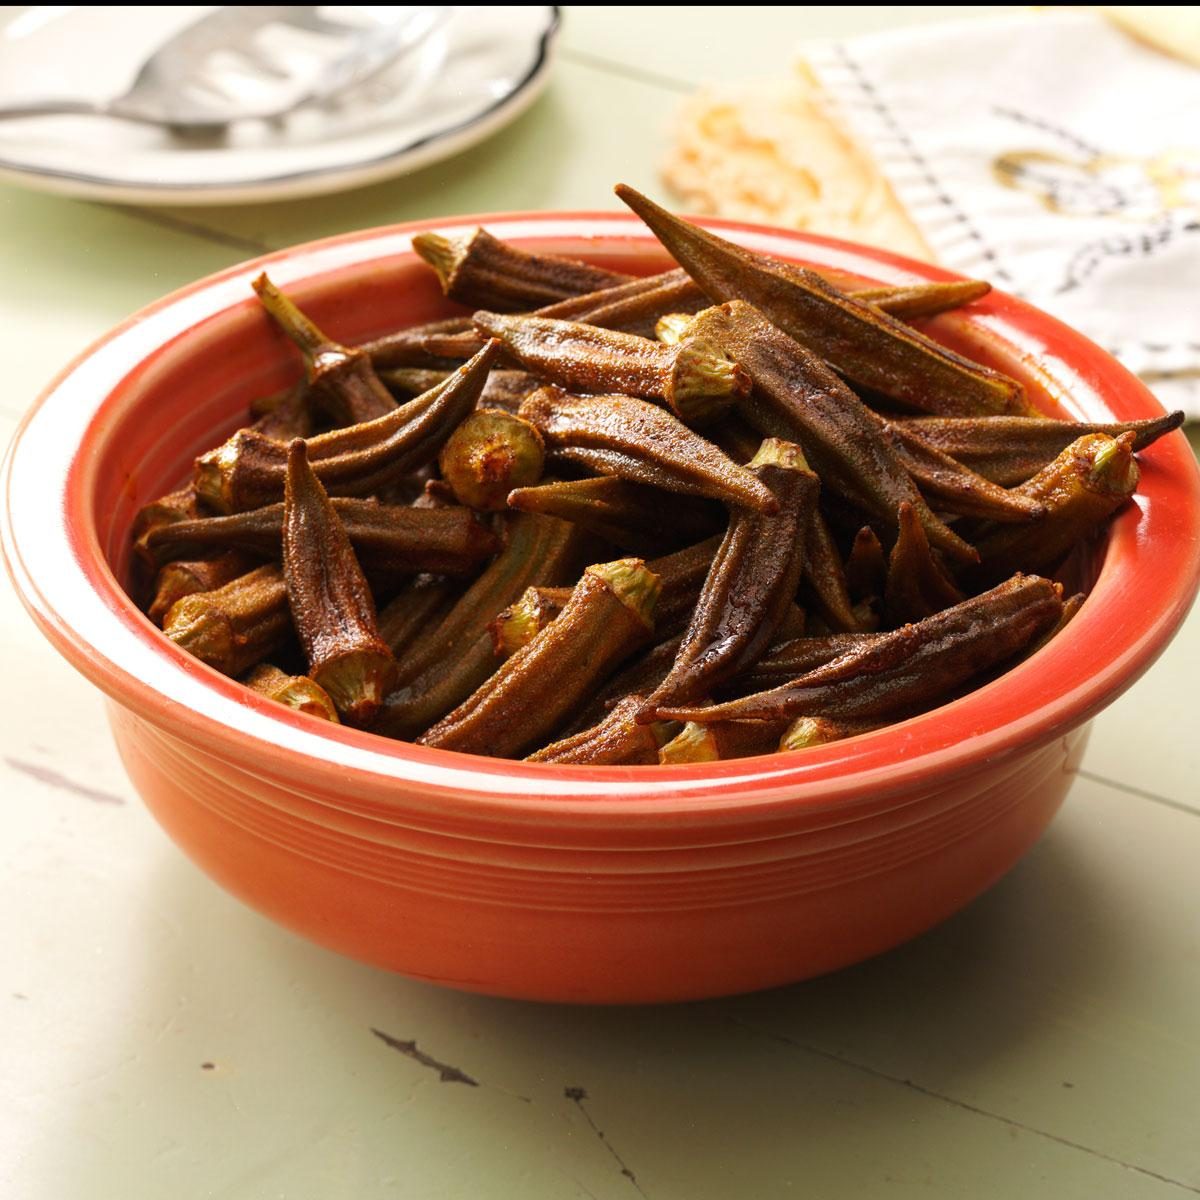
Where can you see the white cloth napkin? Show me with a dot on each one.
(1053, 155)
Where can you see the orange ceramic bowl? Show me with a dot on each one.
(561, 883)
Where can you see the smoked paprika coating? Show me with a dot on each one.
(750, 585)
(912, 668)
(634, 440)
(341, 379)
(248, 470)
(798, 398)
(610, 615)
(332, 607)
(870, 348)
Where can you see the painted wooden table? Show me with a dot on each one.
(160, 1040)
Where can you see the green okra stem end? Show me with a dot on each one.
(205, 633)
(704, 383)
(804, 732)
(775, 452)
(441, 253)
(1114, 469)
(692, 744)
(291, 320)
(357, 682)
(214, 476)
(671, 328)
(633, 583)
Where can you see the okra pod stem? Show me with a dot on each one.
(341, 379)
(633, 440)
(751, 584)
(489, 455)
(482, 271)
(915, 667)
(1011, 450)
(236, 625)
(616, 740)
(609, 616)
(805, 732)
(869, 347)
(721, 740)
(295, 691)
(332, 607)
(248, 470)
(521, 622)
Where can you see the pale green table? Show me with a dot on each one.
(159, 1040)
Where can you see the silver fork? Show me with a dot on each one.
(255, 62)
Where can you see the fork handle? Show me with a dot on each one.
(86, 108)
(46, 108)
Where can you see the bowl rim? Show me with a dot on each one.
(58, 568)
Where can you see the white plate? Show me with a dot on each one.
(475, 74)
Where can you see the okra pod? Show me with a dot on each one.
(235, 626)
(788, 659)
(1081, 489)
(798, 398)
(436, 345)
(295, 691)
(176, 506)
(482, 271)
(634, 517)
(637, 441)
(1070, 608)
(1011, 450)
(751, 584)
(616, 740)
(866, 568)
(825, 577)
(910, 300)
(871, 348)
(917, 585)
(179, 579)
(419, 606)
(915, 667)
(248, 470)
(341, 379)
(331, 605)
(609, 616)
(489, 455)
(446, 665)
(695, 379)
(388, 539)
(504, 389)
(952, 487)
